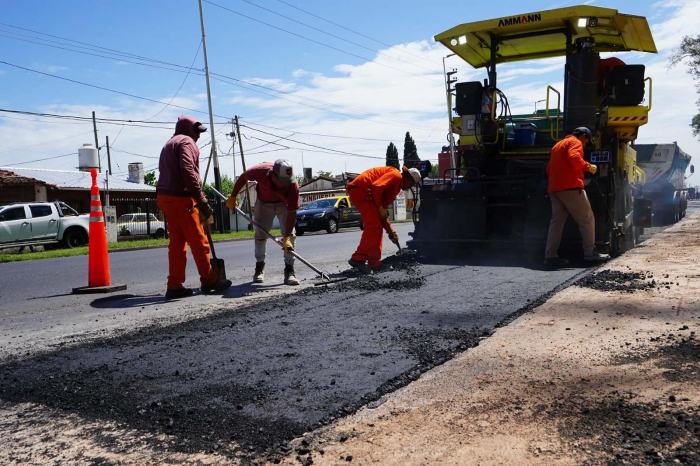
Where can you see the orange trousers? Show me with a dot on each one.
(370, 248)
(184, 228)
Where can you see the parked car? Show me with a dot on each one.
(328, 214)
(138, 224)
(45, 223)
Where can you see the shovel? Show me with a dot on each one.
(324, 276)
(216, 263)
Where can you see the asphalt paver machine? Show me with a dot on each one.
(493, 188)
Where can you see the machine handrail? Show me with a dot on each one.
(551, 126)
(650, 87)
(493, 119)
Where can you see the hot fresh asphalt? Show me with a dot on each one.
(237, 371)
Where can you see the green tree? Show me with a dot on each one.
(410, 151)
(392, 156)
(434, 172)
(150, 178)
(226, 189)
(325, 174)
(690, 49)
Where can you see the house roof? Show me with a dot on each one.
(77, 180)
(11, 178)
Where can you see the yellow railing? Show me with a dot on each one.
(551, 126)
(650, 86)
(493, 119)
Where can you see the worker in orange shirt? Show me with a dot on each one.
(372, 192)
(565, 172)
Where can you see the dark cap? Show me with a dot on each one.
(582, 130)
(199, 127)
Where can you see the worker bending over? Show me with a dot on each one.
(182, 201)
(372, 192)
(565, 172)
(277, 196)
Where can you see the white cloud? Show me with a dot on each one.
(55, 68)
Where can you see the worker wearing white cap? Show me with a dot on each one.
(372, 192)
(277, 196)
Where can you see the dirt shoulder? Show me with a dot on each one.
(606, 372)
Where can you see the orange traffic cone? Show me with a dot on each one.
(99, 280)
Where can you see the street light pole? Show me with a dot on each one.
(217, 174)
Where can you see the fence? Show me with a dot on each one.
(139, 218)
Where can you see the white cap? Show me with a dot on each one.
(283, 169)
(415, 174)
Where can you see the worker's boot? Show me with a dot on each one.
(289, 277)
(259, 276)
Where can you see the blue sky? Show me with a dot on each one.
(401, 87)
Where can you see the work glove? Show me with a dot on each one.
(287, 244)
(205, 212)
(383, 213)
(592, 169)
(393, 236)
(232, 202)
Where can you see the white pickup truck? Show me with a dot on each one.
(44, 223)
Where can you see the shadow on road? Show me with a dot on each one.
(127, 301)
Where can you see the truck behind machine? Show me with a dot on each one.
(665, 166)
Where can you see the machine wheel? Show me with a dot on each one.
(332, 225)
(160, 233)
(74, 239)
(300, 232)
(362, 225)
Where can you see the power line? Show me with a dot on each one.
(316, 41)
(44, 143)
(337, 37)
(326, 135)
(103, 88)
(41, 160)
(182, 84)
(94, 54)
(353, 31)
(287, 138)
(90, 46)
(221, 78)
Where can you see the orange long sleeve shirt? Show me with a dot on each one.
(566, 165)
(383, 182)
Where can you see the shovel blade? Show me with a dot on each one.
(218, 266)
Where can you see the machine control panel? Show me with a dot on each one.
(600, 156)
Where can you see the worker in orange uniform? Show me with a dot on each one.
(565, 172)
(182, 201)
(372, 192)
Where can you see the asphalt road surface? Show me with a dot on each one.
(241, 374)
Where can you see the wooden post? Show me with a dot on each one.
(240, 146)
(97, 144)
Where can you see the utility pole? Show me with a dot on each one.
(233, 156)
(97, 144)
(448, 91)
(109, 157)
(240, 145)
(217, 174)
(109, 171)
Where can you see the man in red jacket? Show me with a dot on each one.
(182, 201)
(371, 193)
(565, 172)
